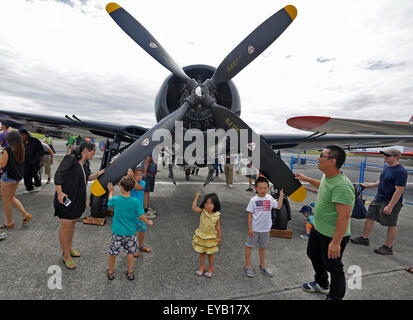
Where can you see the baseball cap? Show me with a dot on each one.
(391, 152)
(306, 209)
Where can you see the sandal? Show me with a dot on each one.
(27, 219)
(5, 226)
(208, 274)
(136, 254)
(199, 273)
(409, 269)
(145, 249)
(109, 275)
(69, 264)
(130, 275)
(74, 254)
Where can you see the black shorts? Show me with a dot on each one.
(375, 212)
(150, 183)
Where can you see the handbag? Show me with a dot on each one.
(359, 209)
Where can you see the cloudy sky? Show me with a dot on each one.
(348, 59)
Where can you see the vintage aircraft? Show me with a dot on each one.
(355, 126)
(201, 97)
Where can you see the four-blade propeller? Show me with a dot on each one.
(252, 46)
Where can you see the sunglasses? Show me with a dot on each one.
(325, 156)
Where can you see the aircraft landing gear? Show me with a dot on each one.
(99, 205)
(280, 217)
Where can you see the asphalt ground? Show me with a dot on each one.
(31, 259)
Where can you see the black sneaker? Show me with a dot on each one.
(384, 250)
(249, 189)
(361, 240)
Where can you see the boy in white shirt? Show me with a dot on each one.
(260, 223)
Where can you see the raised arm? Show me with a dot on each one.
(280, 199)
(138, 187)
(110, 189)
(314, 182)
(195, 207)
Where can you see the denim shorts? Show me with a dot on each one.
(150, 183)
(4, 178)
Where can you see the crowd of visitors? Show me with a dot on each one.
(327, 228)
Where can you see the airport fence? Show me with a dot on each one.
(366, 172)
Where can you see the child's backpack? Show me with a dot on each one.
(359, 209)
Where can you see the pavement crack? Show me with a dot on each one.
(256, 295)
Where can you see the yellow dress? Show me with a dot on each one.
(205, 239)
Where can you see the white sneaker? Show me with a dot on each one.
(230, 185)
(28, 191)
(37, 189)
(151, 210)
(150, 215)
(3, 235)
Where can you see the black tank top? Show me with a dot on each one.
(14, 170)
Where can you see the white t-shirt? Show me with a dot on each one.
(261, 212)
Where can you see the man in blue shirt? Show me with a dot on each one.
(388, 202)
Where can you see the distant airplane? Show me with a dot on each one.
(352, 126)
(408, 155)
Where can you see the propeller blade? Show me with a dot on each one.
(135, 153)
(271, 165)
(144, 39)
(254, 44)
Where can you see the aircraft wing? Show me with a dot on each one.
(350, 126)
(61, 127)
(317, 141)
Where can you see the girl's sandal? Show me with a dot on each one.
(5, 226)
(69, 264)
(130, 275)
(208, 275)
(74, 254)
(136, 254)
(27, 219)
(199, 273)
(109, 275)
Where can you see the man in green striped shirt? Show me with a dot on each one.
(331, 232)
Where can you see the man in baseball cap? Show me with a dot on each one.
(392, 152)
(387, 203)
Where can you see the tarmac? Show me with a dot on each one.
(31, 258)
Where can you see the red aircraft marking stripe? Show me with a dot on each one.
(307, 122)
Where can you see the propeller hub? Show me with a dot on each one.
(200, 92)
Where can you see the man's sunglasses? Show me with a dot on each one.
(325, 156)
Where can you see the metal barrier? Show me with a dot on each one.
(362, 169)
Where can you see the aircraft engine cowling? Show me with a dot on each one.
(173, 93)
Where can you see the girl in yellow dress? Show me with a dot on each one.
(208, 236)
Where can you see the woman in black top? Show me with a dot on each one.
(71, 182)
(12, 160)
